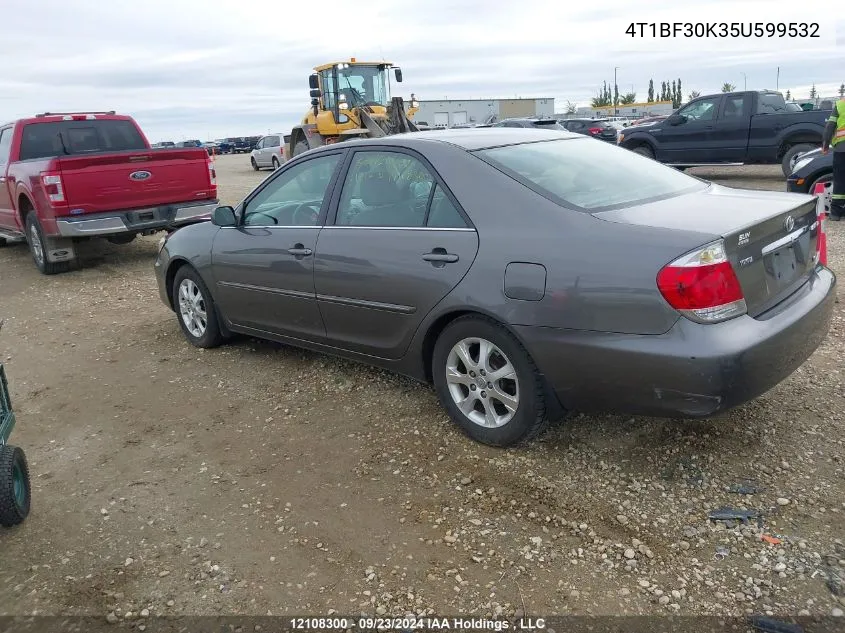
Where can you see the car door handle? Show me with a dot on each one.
(300, 251)
(440, 255)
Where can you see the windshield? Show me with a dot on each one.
(363, 85)
(590, 174)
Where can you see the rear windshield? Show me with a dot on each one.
(589, 174)
(63, 138)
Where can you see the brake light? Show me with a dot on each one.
(53, 187)
(594, 130)
(703, 286)
(212, 173)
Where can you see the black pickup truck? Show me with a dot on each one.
(731, 128)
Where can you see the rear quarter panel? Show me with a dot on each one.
(769, 132)
(600, 276)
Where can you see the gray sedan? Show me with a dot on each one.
(525, 273)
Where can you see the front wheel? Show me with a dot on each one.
(254, 164)
(275, 163)
(195, 309)
(819, 180)
(644, 150)
(488, 383)
(15, 488)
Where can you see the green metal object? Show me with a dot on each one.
(7, 416)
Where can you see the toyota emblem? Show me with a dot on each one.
(789, 223)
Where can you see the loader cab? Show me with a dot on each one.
(348, 85)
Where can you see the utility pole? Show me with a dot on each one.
(777, 81)
(745, 82)
(615, 91)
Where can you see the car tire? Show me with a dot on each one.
(195, 309)
(38, 247)
(486, 419)
(275, 163)
(825, 178)
(15, 486)
(254, 164)
(644, 150)
(301, 147)
(785, 164)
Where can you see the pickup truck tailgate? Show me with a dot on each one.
(131, 180)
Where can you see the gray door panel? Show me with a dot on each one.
(374, 286)
(262, 285)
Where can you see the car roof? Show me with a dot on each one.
(468, 139)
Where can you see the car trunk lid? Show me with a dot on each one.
(770, 237)
(130, 180)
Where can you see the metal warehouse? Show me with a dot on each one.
(449, 113)
(654, 108)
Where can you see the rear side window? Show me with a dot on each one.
(5, 145)
(588, 174)
(63, 138)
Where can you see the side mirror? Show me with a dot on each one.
(313, 81)
(223, 216)
(676, 119)
(398, 73)
(315, 93)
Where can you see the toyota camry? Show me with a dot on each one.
(525, 273)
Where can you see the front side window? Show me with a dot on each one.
(329, 89)
(592, 176)
(385, 189)
(294, 197)
(704, 110)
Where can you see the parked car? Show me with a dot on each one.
(596, 128)
(241, 144)
(191, 143)
(223, 146)
(68, 177)
(543, 124)
(631, 288)
(730, 128)
(164, 145)
(650, 120)
(212, 148)
(268, 152)
(809, 169)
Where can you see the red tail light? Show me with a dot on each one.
(212, 173)
(594, 130)
(703, 286)
(53, 189)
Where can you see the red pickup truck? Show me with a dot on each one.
(65, 178)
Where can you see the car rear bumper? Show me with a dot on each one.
(692, 370)
(136, 221)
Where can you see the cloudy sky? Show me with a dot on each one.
(213, 68)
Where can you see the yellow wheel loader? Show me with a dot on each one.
(351, 100)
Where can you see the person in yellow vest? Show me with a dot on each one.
(834, 136)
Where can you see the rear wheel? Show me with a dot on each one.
(38, 247)
(644, 150)
(786, 163)
(15, 488)
(195, 309)
(488, 383)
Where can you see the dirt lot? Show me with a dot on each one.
(256, 479)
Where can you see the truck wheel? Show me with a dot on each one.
(38, 247)
(195, 309)
(300, 148)
(15, 488)
(820, 179)
(254, 164)
(643, 150)
(786, 163)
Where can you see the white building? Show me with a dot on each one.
(634, 110)
(449, 113)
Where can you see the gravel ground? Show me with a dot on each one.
(256, 478)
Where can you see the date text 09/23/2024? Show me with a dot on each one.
(413, 623)
(722, 30)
